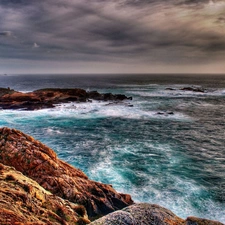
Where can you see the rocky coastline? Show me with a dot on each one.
(38, 188)
(49, 97)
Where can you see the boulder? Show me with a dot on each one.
(141, 214)
(149, 214)
(200, 221)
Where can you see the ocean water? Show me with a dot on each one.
(167, 149)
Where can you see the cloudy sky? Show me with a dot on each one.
(112, 36)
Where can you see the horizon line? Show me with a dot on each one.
(8, 74)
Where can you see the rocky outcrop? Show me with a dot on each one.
(4, 91)
(47, 98)
(149, 214)
(193, 89)
(107, 97)
(40, 163)
(24, 201)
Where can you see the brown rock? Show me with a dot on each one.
(199, 221)
(46, 98)
(41, 164)
(24, 201)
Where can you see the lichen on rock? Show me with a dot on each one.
(24, 201)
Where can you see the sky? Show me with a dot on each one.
(112, 36)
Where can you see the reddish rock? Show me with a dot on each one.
(24, 201)
(46, 98)
(200, 221)
(40, 163)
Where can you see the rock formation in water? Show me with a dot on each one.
(24, 201)
(47, 98)
(41, 164)
(193, 89)
(149, 214)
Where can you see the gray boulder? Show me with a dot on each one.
(149, 214)
(140, 214)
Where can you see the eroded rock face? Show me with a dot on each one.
(149, 214)
(40, 163)
(46, 98)
(24, 201)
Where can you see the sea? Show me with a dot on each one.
(166, 146)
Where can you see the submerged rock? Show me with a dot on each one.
(40, 163)
(166, 113)
(24, 201)
(47, 98)
(194, 89)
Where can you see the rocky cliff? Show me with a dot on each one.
(47, 98)
(41, 164)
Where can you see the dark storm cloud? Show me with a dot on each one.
(146, 30)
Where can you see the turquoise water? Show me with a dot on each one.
(168, 149)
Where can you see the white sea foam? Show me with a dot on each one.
(102, 109)
(176, 92)
(91, 110)
(54, 131)
(159, 186)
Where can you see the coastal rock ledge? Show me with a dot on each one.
(40, 163)
(37, 188)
